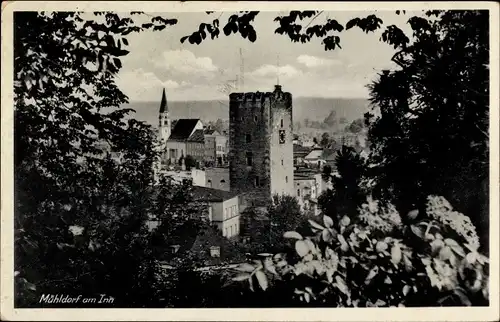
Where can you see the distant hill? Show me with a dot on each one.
(313, 108)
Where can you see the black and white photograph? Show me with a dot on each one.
(250, 156)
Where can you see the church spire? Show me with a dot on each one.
(163, 104)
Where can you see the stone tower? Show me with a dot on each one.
(261, 145)
(165, 124)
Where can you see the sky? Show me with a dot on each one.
(158, 60)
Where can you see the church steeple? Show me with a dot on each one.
(165, 125)
(163, 104)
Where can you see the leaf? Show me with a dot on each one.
(315, 224)
(327, 221)
(345, 221)
(396, 254)
(329, 274)
(281, 263)
(325, 234)
(241, 277)
(301, 248)
(455, 246)
(262, 279)
(417, 231)
(373, 272)
(125, 41)
(252, 35)
(341, 285)
(343, 243)
(269, 266)
(245, 267)
(250, 284)
(31, 286)
(406, 289)
(292, 235)
(183, 39)
(310, 245)
(117, 62)
(471, 258)
(351, 23)
(463, 298)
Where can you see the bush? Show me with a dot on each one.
(376, 261)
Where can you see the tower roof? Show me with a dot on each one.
(163, 104)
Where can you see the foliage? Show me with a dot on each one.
(356, 126)
(80, 216)
(331, 119)
(296, 25)
(190, 162)
(265, 230)
(361, 263)
(431, 136)
(325, 140)
(347, 193)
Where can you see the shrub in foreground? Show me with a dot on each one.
(374, 260)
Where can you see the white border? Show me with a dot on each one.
(373, 314)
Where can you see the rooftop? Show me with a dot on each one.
(183, 129)
(211, 194)
(197, 238)
(197, 136)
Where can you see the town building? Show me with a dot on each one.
(210, 147)
(184, 131)
(217, 178)
(195, 146)
(261, 148)
(299, 153)
(221, 147)
(308, 184)
(314, 158)
(216, 146)
(223, 209)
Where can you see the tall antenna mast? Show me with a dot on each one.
(278, 75)
(242, 71)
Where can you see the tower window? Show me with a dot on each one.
(255, 118)
(249, 159)
(282, 136)
(248, 138)
(257, 182)
(298, 192)
(281, 122)
(286, 179)
(281, 161)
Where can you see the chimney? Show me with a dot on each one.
(277, 88)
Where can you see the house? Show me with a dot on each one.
(216, 146)
(308, 187)
(217, 178)
(201, 241)
(329, 156)
(210, 154)
(182, 131)
(314, 158)
(296, 139)
(299, 153)
(195, 145)
(223, 209)
(221, 147)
